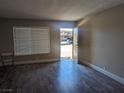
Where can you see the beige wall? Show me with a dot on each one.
(107, 40)
(84, 42)
(6, 36)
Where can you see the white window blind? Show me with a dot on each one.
(29, 41)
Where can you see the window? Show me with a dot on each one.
(29, 40)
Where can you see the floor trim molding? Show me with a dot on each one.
(34, 61)
(107, 73)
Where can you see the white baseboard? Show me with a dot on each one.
(34, 61)
(107, 73)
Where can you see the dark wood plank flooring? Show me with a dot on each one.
(57, 77)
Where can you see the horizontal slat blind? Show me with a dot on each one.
(29, 41)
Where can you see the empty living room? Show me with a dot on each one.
(61, 46)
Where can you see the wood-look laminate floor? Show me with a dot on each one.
(57, 77)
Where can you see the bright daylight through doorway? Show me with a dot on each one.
(66, 41)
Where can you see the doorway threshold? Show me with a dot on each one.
(63, 59)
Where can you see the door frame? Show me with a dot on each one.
(75, 44)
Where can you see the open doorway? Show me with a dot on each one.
(68, 40)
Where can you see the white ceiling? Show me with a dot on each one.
(70, 10)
